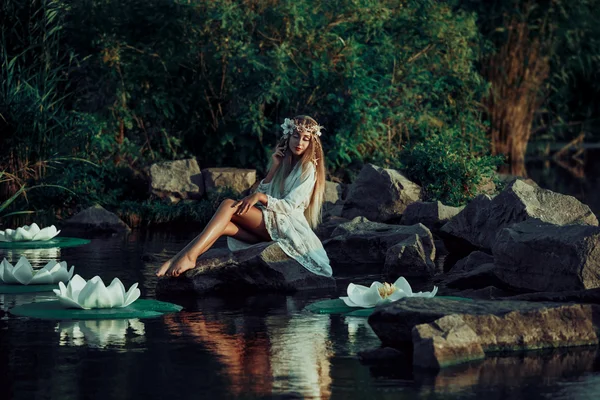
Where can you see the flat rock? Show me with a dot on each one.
(431, 214)
(96, 219)
(500, 325)
(539, 256)
(176, 180)
(380, 194)
(237, 179)
(409, 259)
(444, 342)
(260, 268)
(364, 243)
(481, 220)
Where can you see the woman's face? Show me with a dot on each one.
(299, 142)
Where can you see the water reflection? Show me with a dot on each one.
(512, 374)
(37, 257)
(99, 334)
(262, 356)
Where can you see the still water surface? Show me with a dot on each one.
(260, 347)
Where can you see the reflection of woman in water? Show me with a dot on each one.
(285, 208)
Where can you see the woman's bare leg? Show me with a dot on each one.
(224, 221)
(231, 230)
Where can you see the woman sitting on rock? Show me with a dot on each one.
(286, 206)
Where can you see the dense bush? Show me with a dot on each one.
(448, 169)
(148, 80)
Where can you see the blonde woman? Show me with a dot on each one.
(285, 208)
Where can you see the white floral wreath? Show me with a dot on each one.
(289, 126)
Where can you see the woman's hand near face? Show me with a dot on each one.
(244, 204)
(278, 155)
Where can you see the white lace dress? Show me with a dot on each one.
(286, 223)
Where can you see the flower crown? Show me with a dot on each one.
(289, 126)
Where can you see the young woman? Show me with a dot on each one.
(285, 208)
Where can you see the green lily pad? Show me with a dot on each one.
(337, 306)
(53, 310)
(60, 242)
(16, 289)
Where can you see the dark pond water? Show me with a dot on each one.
(260, 347)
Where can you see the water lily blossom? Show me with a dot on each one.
(24, 274)
(28, 233)
(94, 294)
(381, 293)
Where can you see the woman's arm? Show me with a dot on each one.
(300, 193)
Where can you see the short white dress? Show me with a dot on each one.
(286, 223)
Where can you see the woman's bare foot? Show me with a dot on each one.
(180, 265)
(164, 268)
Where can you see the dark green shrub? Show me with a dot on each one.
(447, 168)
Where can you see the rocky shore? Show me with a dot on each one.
(528, 259)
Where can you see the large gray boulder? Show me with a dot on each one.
(176, 180)
(380, 194)
(96, 219)
(458, 338)
(333, 199)
(539, 256)
(260, 268)
(364, 244)
(481, 220)
(432, 214)
(234, 178)
(409, 259)
(499, 325)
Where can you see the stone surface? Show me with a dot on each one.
(431, 214)
(363, 244)
(487, 293)
(326, 228)
(479, 277)
(380, 194)
(333, 199)
(577, 296)
(237, 179)
(538, 256)
(409, 259)
(444, 342)
(260, 268)
(96, 219)
(500, 325)
(472, 261)
(481, 220)
(176, 180)
(441, 255)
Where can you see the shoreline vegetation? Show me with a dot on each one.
(92, 94)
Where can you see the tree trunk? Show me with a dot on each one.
(517, 72)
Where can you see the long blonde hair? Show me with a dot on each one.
(313, 154)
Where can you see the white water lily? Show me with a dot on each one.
(94, 294)
(28, 233)
(381, 293)
(24, 274)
